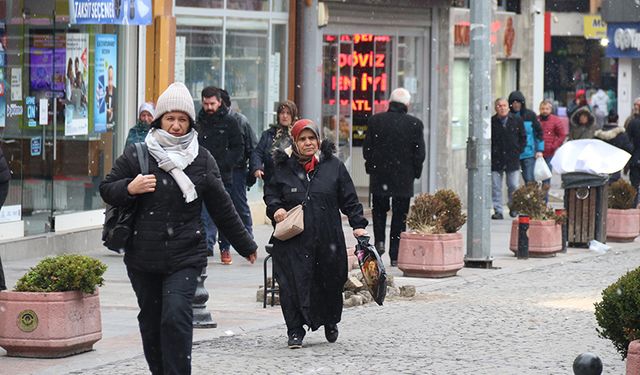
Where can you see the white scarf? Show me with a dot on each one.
(173, 155)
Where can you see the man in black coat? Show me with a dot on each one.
(394, 151)
(219, 132)
(508, 139)
(5, 177)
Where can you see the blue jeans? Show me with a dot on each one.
(238, 193)
(527, 165)
(513, 179)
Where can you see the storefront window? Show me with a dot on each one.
(460, 104)
(506, 78)
(280, 5)
(248, 4)
(200, 3)
(409, 51)
(199, 57)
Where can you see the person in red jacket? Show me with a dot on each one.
(554, 132)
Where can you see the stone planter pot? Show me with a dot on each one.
(623, 225)
(633, 358)
(430, 255)
(545, 238)
(49, 325)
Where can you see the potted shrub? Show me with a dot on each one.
(545, 226)
(618, 315)
(623, 219)
(54, 310)
(433, 247)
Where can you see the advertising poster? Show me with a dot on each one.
(106, 54)
(113, 12)
(30, 102)
(76, 121)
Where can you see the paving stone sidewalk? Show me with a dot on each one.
(530, 321)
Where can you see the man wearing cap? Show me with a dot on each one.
(219, 133)
(394, 151)
(139, 131)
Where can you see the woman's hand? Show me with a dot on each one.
(142, 184)
(280, 215)
(258, 174)
(359, 232)
(252, 257)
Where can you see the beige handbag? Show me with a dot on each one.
(292, 225)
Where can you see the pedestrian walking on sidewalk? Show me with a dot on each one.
(311, 268)
(276, 137)
(554, 133)
(616, 136)
(535, 142)
(508, 139)
(219, 132)
(5, 177)
(139, 131)
(167, 250)
(394, 152)
(582, 124)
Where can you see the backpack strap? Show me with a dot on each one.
(143, 157)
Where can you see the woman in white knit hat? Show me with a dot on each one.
(166, 252)
(139, 131)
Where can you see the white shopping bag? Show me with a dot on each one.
(541, 170)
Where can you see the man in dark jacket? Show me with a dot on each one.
(5, 177)
(535, 140)
(394, 151)
(508, 139)
(616, 136)
(219, 132)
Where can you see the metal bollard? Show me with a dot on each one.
(202, 317)
(587, 364)
(560, 212)
(523, 237)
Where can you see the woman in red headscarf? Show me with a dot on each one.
(311, 268)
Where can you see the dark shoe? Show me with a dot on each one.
(209, 252)
(331, 332)
(513, 213)
(394, 263)
(295, 341)
(380, 248)
(497, 216)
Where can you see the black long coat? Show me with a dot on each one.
(507, 143)
(168, 232)
(394, 151)
(311, 268)
(220, 133)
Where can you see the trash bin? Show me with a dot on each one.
(585, 202)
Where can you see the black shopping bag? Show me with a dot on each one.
(372, 269)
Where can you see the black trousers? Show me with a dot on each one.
(166, 318)
(400, 208)
(3, 283)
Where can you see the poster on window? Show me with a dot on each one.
(104, 110)
(76, 121)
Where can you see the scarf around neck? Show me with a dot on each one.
(308, 162)
(173, 155)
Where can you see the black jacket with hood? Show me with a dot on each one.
(220, 134)
(532, 127)
(311, 268)
(168, 234)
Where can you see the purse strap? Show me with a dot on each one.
(143, 157)
(306, 195)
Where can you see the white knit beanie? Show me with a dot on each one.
(146, 107)
(175, 98)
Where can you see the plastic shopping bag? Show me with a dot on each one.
(372, 269)
(541, 170)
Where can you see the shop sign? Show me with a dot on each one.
(36, 146)
(14, 110)
(624, 40)
(594, 27)
(112, 12)
(505, 36)
(10, 213)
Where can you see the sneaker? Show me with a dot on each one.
(295, 341)
(513, 213)
(331, 332)
(497, 216)
(225, 257)
(380, 248)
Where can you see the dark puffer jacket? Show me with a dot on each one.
(507, 143)
(220, 134)
(168, 232)
(311, 268)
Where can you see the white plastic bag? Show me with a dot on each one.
(541, 170)
(598, 247)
